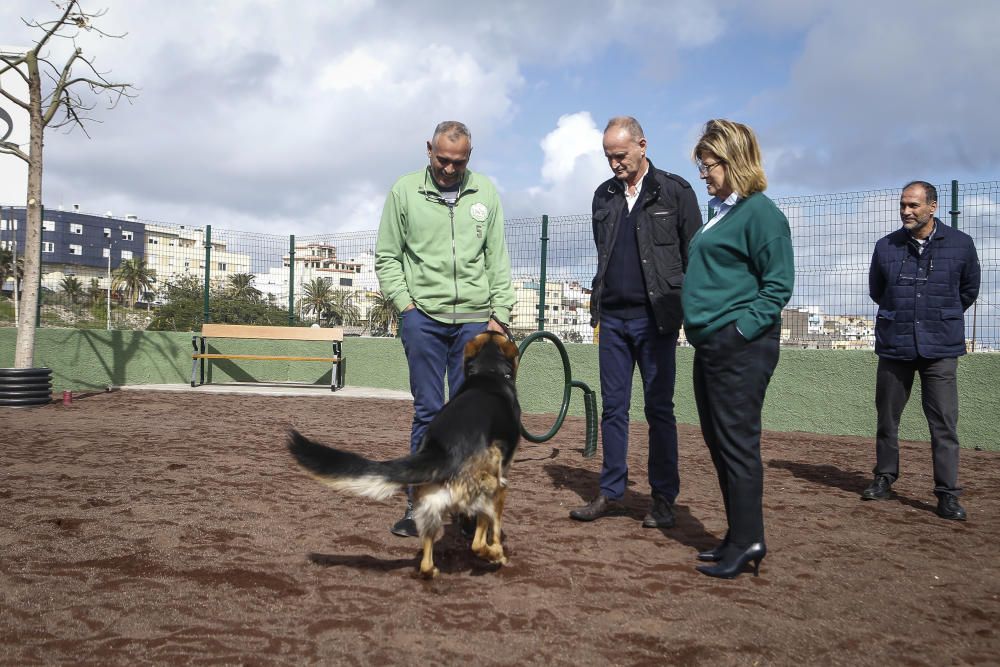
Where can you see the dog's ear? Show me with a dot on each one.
(475, 346)
(512, 354)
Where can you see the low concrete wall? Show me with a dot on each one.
(816, 391)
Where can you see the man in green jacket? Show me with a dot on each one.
(442, 259)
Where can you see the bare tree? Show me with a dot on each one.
(55, 99)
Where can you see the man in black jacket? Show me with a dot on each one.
(643, 219)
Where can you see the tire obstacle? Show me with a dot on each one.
(24, 387)
(589, 397)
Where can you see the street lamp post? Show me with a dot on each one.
(110, 240)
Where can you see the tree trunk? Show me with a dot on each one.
(24, 352)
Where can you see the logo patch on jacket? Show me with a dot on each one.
(479, 212)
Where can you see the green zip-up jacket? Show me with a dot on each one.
(739, 270)
(451, 262)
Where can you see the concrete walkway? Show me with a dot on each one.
(275, 389)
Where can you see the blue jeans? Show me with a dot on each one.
(432, 348)
(622, 345)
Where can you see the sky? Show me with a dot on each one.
(297, 116)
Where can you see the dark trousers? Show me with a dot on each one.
(731, 376)
(939, 392)
(622, 345)
(432, 348)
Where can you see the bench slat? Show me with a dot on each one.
(271, 333)
(263, 357)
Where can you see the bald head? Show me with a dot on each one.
(625, 149)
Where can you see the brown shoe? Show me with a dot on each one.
(661, 514)
(596, 508)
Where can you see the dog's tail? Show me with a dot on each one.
(346, 471)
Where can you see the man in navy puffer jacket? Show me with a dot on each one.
(923, 277)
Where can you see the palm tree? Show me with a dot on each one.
(317, 297)
(382, 315)
(133, 276)
(8, 269)
(342, 309)
(71, 287)
(94, 292)
(240, 286)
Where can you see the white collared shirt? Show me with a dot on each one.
(630, 200)
(922, 243)
(721, 207)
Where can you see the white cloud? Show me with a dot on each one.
(254, 111)
(885, 92)
(573, 165)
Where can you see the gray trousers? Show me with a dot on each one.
(939, 390)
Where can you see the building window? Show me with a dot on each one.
(75, 249)
(48, 225)
(107, 232)
(152, 240)
(222, 266)
(126, 254)
(8, 224)
(48, 246)
(126, 235)
(346, 282)
(106, 252)
(75, 228)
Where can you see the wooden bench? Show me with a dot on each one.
(248, 332)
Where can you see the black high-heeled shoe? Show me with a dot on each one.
(715, 554)
(732, 565)
(712, 555)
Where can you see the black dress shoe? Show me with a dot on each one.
(405, 527)
(879, 489)
(595, 509)
(948, 508)
(735, 560)
(661, 514)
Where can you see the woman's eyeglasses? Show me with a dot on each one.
(704, 167)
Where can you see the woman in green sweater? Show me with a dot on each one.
(740, 275)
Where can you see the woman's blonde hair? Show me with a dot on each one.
(736, 145)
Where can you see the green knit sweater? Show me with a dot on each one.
(739, 270)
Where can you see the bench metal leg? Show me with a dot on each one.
(203, 360)
(194, 362)
(337, 369)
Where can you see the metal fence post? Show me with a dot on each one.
(291, 280)
(954, 204)
(208, 271)
(541, 273)
(38, 301)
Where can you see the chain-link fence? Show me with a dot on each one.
(101, 271)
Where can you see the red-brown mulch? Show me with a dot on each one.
(166, 528)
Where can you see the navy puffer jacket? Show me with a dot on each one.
(922, 297)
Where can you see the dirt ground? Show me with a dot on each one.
(173, 528)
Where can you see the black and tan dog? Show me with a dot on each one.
(461, 464)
